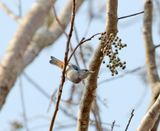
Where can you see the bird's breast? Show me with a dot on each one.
(73, 76)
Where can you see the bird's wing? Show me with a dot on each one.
(75, 67)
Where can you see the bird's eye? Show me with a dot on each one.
(86, 70)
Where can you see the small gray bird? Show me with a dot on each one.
(73, 72)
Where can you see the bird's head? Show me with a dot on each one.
(84, 73)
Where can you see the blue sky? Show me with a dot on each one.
(121, 95)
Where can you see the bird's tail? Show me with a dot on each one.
(56, 62)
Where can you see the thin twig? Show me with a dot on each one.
(46, 95)
(129, 122)
(156, 46)
(23, 105)
(96, 114)
(20, 8)
(123, 17)
(102, 101)
(83, 40)
(62, 28)
(38, 87)
(9, 12)
(98, 125)
(80, 48)
(113, 124)
(59, 22)
(72, 125)
(65, 65)
(41, 90)
(122, 75)
(91, 15)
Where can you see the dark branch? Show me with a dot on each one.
(156, 46)
(113, 124)
(127, 16)
(65, 65)
(129, 122)
(83, 40)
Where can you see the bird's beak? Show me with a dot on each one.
(91, 72)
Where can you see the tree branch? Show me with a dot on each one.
(23, 105)
(83, 40)
(96, 113)
(151, 117)
(129, 121)
(157, 46)
(149, 46)
(127, 16)
(152, 72)
(91, 81)
(65, 66)
(10, 66)
(113, 124)
(43, 38)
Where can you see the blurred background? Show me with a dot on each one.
(26, 107)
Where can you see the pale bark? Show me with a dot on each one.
(46, 37)
(9, 12)
(151, 119)
(9, 66)
(27, 44)
(91, 82)
(149, 46)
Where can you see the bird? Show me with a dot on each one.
(73, 73)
